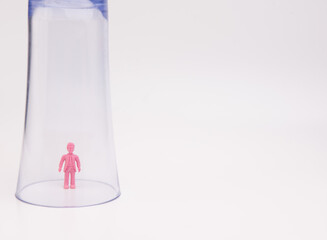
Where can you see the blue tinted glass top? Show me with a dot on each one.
(100, 4)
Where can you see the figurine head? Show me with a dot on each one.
(70, 147)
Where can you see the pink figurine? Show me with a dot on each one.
(70, 167)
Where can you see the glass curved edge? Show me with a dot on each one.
(77, 206)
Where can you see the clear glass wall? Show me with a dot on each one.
(68, 100)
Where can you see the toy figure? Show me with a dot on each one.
(70, 167)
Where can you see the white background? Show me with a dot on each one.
(219, 112)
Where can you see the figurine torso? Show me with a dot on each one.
(70, 162)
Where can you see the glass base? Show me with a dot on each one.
(53, 194)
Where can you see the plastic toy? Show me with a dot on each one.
(70, 166)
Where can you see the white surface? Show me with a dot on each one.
(219, 118)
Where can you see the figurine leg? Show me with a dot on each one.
(72, 179)
(66, 180)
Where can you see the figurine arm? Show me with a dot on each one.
(78, 163)
(61, 162)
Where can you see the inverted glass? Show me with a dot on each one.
(68, 101)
